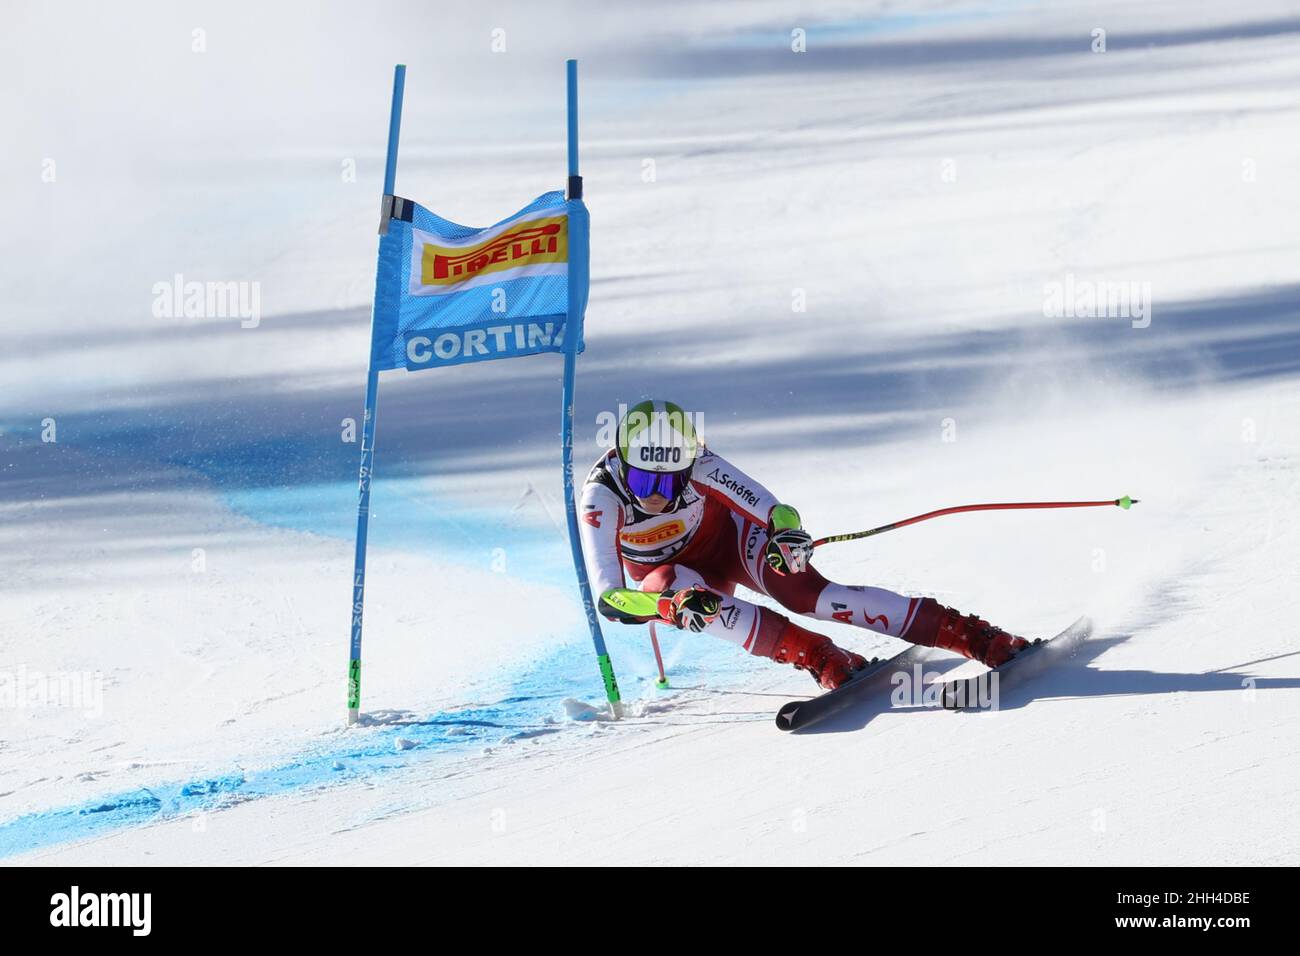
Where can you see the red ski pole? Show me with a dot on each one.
(662, 682)
(1126, 502)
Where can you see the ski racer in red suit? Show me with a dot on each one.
(687, 526)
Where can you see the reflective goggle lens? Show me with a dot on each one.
(643, 483)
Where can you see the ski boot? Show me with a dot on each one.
(829, 664)
(969, 636)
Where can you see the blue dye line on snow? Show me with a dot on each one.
(524, 546)
(533, 708)
(526, 707)
(392, 747)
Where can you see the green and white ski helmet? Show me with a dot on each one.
(657, 436)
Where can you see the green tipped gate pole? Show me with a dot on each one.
(368, 431)
(572, 335)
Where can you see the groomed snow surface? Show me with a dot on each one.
(174, 621)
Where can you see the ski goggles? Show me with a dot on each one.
(644, 483)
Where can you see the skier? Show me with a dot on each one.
(687, 526)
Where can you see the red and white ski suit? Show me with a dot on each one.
(715, 537)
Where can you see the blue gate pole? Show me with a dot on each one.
(571, 336)
(368, 432)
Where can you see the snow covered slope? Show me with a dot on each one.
(921, 177)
